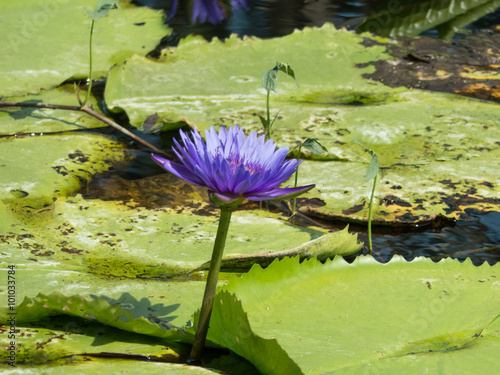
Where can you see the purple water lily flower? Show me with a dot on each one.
(233, 167)
(209, 10)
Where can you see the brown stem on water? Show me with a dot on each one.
(88, 111)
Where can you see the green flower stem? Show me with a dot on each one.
(370, 216)
(296, 181)
(90, 65)
(213, 275)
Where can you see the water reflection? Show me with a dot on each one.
(274, 18)
(479, 240)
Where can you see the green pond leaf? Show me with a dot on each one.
(37, 169)
(229, 327)
(364, 317)
(231, 90)
(105, 366)
(103, 8)
(448, 29)
(119, 315)
(18, 120)
(287, 69)
(322, 248)
(270, 80)
(113, 239)
(314, 147)
(438, 151)
(170, 303)
(47, 44)
(374, 166)
(67, 336)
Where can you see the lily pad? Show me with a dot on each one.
(191, 83)
(322, 248)
(18, 120)
(66, 336)
(365, 316)
(437, 151)
(118, 315)
(46, 44)
(35, 170)
(106, 366)
(113, 239)
(467, 68)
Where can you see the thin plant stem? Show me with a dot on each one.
(268, 117)
(87, 96)
(88, 111)
(213, 276)
(296, 182)
(370, 216)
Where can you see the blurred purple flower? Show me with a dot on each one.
(233, 167)
(209, 10)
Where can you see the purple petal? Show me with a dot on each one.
(240, 4)
(207, 10)
(178, 170)
(279, 193)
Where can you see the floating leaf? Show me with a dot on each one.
(96, 310)
(322, 248)
(18, 120)
(106, 366)
(438, 150)
(443, 316)
(138, 86)
(113, 239)
(49, 166)
(68, 336)
(230, 327)
(59, 32)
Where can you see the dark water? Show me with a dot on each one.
(274, 18)
(478, 239)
